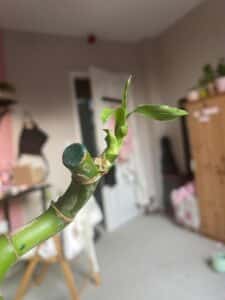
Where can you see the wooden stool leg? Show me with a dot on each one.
(41, 276)
(26, 278)
(69, 279)
(95, 274)
(91, 253)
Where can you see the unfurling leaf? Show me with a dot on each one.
(125, 92)
(121, 127)
(106, 114)
(111, 151)
(159, 112)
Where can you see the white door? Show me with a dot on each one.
(120, 200)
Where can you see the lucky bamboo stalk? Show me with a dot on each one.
(86, 173)
(83, 168)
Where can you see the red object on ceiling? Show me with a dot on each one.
(91, 39)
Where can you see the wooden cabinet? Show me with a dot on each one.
(206, 123)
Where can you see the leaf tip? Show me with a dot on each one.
(106, 114)
(182, 112)
(130, 78)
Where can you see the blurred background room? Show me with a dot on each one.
(155, 227)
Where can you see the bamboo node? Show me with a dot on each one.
(102, 164)
(8, 237)
(60, 214)
(79, 178)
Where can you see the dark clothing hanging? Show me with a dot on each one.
(170, 172)
(168, 162)
(32, 140)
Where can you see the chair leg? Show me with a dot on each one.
(26, 278)
(95, 274)
(69, 277)
(96, 277)
(91, 253)
(41, 276)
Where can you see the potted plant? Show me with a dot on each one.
(199, 91)
(220, 81)
(208, 79)
(193, 94)
(203, 88)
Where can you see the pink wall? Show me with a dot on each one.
(6, 147)
(2, 66)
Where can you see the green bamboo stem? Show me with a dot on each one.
(86, 174)
(85, 177)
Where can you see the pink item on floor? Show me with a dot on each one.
(183, 192)
(185, 206)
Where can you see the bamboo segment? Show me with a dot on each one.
(7, 255)
(69, 277)
(86, 173)
(77, 159)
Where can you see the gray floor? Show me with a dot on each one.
(149, 258)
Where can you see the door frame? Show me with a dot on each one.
(75, 114)
(74, 101)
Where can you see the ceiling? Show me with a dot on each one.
(121, 20)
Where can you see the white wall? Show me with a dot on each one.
(187, 46)
(165, 68)
(151, 93)
(178, 56)
(39, 66)
(172, 63)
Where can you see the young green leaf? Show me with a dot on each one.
(112, 149)
(106, 114)
(125, 92)
(121, 123)
(159, 112)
